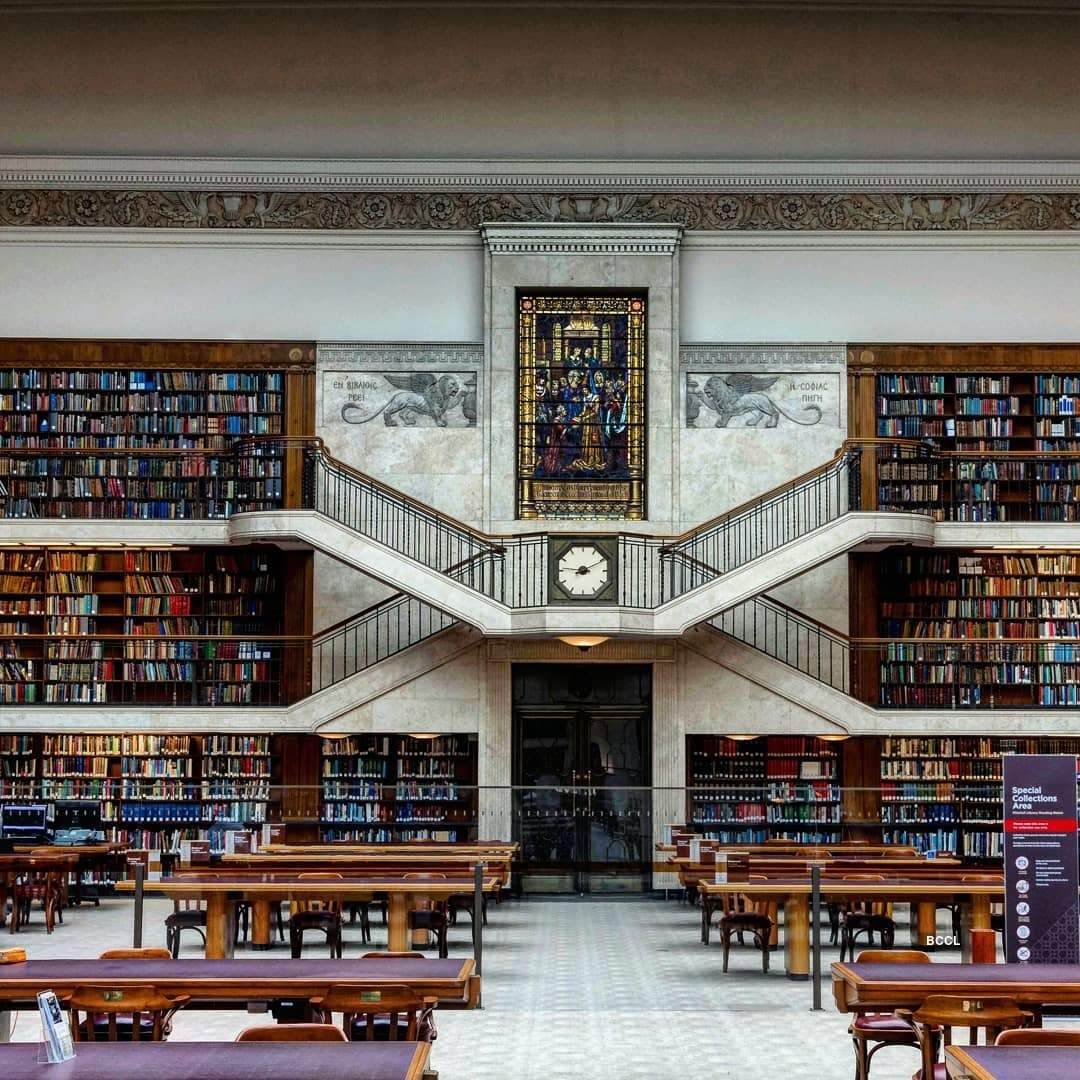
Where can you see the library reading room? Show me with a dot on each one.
(539, 540)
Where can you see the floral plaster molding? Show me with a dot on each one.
(380, 211)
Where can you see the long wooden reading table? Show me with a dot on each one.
(222, 890)
(794, 893)
(234, 983)
(1012, 1062)
(223, 1061)
(884, 987)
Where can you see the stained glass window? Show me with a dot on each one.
(581, 405)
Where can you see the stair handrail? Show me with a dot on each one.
(836, 673)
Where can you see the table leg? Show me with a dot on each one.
(974, 915)
(772, 909)
(5, 1025)
(220, 913)
(397, 922)
(260, 924)
(923, 924)
(797, 936)
(420, 938)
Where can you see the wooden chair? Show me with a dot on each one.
(942, 1012)
(1038, 1037)
(740, 915)
(323, 916)
(126, 1020)
(398, 1014)
(434, 919)
(292, 1033)
(882, 1029)
(121, 1014)
(862, 917)
(42, 883)
(187, 915)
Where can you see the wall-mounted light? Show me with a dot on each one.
(584, 642)
(333, 736)
(423, 734)
(834, 737)
(742, 738)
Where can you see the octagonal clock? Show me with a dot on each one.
(582, 569)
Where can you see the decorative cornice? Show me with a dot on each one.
(568, 237)
(645, 219)
(764, 357)
(393, 355)
(530, 177)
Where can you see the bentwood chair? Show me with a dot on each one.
(871, 1032)
(941, 1013)
(187, 915)
(41, 882)
(121, 1014)
(434, 918)
(862, 917)
(740, 916)
(1038, 1037)
(125, 1021)
(398, 1014)
(292, 1033)
(323, 916)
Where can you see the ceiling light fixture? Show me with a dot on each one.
(584, 642)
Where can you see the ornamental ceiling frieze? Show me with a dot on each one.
(780, 212)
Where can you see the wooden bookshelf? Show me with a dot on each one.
(236, 772)
(18, 768)
(149, 430)
(945, 794)
(140, 626)
(389, 788)
(968, 629)
(746, 791)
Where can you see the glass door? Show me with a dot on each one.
(582, 803)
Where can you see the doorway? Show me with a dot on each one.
(582, 772)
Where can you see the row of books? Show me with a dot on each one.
(141, 380)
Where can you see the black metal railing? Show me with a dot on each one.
(514, 569)
(373, 635)
(790, 637)
(776, 518)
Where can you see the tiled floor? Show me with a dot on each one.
(615, 990)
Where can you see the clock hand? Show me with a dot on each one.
(586, 569)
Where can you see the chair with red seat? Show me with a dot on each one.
(121, 1014)
(935, 1018)
(871, 1032)
(389, 1014)
(292, 1033)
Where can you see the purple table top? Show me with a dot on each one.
(217, 1061)
(253, 971)
(1026, 1062)
(976, 973)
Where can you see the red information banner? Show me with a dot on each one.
(1042, 915)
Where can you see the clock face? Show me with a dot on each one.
(583, 570)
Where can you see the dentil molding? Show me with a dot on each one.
(532, 176)
(557, 238)
(763, 357)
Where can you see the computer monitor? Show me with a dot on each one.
(26, 821)
(78, 814)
